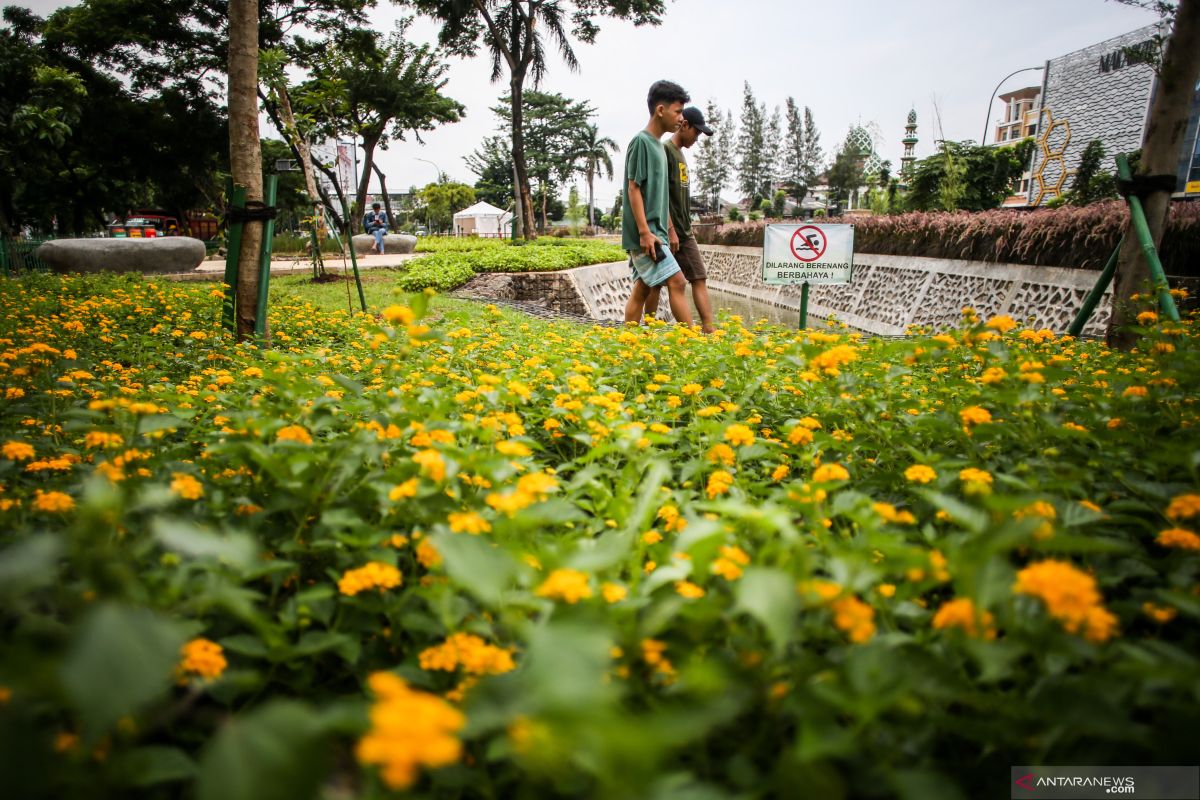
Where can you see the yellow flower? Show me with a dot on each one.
(1002, 323)
(1179, 538)
(1135, 391)
(186, 486)
(891, 514)
(432, 464)
(691, 389)
(1160, 614)
(974, 415)
(780, 472)
(920, 473)
(103, 439)
(468, 522)
(1147, 318)
(428, 555)
(721, 453)
(976, 481)
(1070, 596)
(800, 435)
(17, 451)
(613, 592)
(375, 575)
(1185, 506)
(511, 448)
(409, 730)
(252, 372)
(689, 590)
(652, 537)
(53, 502)
(468, 652)
(1040, 510)
(403, 491)
(718, 483)
(398, 315)
(961, 613)
(830, 472)
(568, 585)
(738, 435)
(853, 617)
(204, 658)
(887, 589)
(294, 433)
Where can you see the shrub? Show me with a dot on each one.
(450, 269)
(1071, 236)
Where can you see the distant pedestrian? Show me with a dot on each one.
(683, 243)
(645, 208)
(375, 222)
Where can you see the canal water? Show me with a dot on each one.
(752, 311)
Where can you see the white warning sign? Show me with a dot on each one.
(808, 254)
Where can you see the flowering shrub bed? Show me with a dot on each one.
(466, 554)
(450, 266)
(1081, 237)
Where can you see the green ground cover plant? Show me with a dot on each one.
(451, 552)
(455, 262)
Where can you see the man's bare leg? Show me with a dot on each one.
(653, 299)
(703, 305)
(677, 296)
(637, 300)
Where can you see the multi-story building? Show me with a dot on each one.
(1103, 93)
(1019, 121)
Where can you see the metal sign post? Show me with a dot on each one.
(807, 254)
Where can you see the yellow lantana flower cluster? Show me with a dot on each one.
(1070, 596)
(409, 730)
(375, 575)
(469, 653)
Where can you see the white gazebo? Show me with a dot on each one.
(482, 219)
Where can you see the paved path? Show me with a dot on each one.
(215, 270)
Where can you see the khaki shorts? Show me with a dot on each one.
(690, 260)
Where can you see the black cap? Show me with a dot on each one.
(696, 119)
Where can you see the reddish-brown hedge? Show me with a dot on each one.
(1081, 238)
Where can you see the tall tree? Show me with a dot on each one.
(245, 151)
(710, 171)
(773, 153)
(846, 174)
(752, 149)
(492, 163)
(374, 89)
(1165, 130)
(813, 158)
(964, 175)
(443, 200)
(514, 31)
(795, 181)
(594, 150)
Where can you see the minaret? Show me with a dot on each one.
(910, 142)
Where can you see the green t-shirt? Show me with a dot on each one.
(645, 165)
(681, 202)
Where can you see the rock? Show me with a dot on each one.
(149, 256)
(392, 243)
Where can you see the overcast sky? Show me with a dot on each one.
(851, 62)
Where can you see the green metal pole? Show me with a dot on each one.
(362, 299)
(233, 246)
(1093, 299)
(1146, 241)
(4, 256)
(804, 305)
(264, 265)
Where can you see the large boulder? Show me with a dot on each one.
(150, 256)
(392, 243)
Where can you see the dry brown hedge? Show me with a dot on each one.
(1081, 238)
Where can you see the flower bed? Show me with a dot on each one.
(1062, 237)
(472, 554)
(453, 262)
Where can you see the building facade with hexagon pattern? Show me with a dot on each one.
(1100, 92)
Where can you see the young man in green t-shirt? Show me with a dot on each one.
(645, 209)
(682, 243)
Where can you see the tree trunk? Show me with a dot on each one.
(245, 150)
(300, 147)
(369, 144)
(524, 199)
(387, 203)
(1165, 131)
(591, 210)
(517, 216)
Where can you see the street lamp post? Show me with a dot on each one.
(988, 121)
(428, 224)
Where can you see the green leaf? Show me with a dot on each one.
(121, 660)
(196, 541)
(769, 595)
(567, 668)
(147, 766)
(272, 753)
(476, 565)
(602, 552)
(30, 562)
(973, 519)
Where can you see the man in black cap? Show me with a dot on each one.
(682, 242)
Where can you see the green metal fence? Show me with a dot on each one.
(20, 255)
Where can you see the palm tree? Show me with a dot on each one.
(594, 151)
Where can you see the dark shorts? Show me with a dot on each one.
(690, 260)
